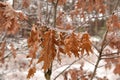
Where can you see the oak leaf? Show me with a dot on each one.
(2, 51)
(31, 72)
(60, 44)
(48, 51)
(22, 16)
(32, 51)
(13, 50)
(117, 69)
(9, 19)
(72, 45)
(60, 2)
(34, 36)
(85, 44)
(25, 3)
(113, 23)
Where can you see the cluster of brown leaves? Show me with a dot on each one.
(33, 43)
(48, 52)
(9, 22)
(113, 23)
(9, 18)
(72, 45)
(114, 42)
(90, 5)
(53, 44)
(80, 73)
(2, 51)
(117, 67)
(25, 3)
(76, 74)
(108, 64)
(116, 62)
(60, 22)
(113, 27)
(60, 2)
(80, 6)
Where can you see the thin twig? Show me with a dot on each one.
(96, 48)
(6, 56)
(111, 57)
(55, 13)
(88, 61)
(100, 54)
(110, 54)
(3, 37)
(49, 12)
(117, 3)
(107, 43)
(69, 67)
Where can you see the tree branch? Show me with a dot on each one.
(110, 54)
(69, 67)
(88, 61)
(55, 13)
(100, 54)
(117, 3)
(3, 37)
(6, 56)
(111, 57)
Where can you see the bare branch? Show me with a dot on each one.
(6, 56)
(69, 67)
(111, 54)
(117, 3)
(111, 57)
(88, 61)
(55, 13)
(100, 55)
(3, 37)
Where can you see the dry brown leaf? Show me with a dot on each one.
(59, 22)
(31, 72)
(72, 45)
(2, 51)
(117, 69)
(34, 36)
(113, 23)
(50, 0)
(108, 66)
(13, 50)
(32, 51)
(69, 27)
(9, 19)
(73, 74)
(22, 16)
(25, 3)
(60, 2)
(48, 51)
(85, 44)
